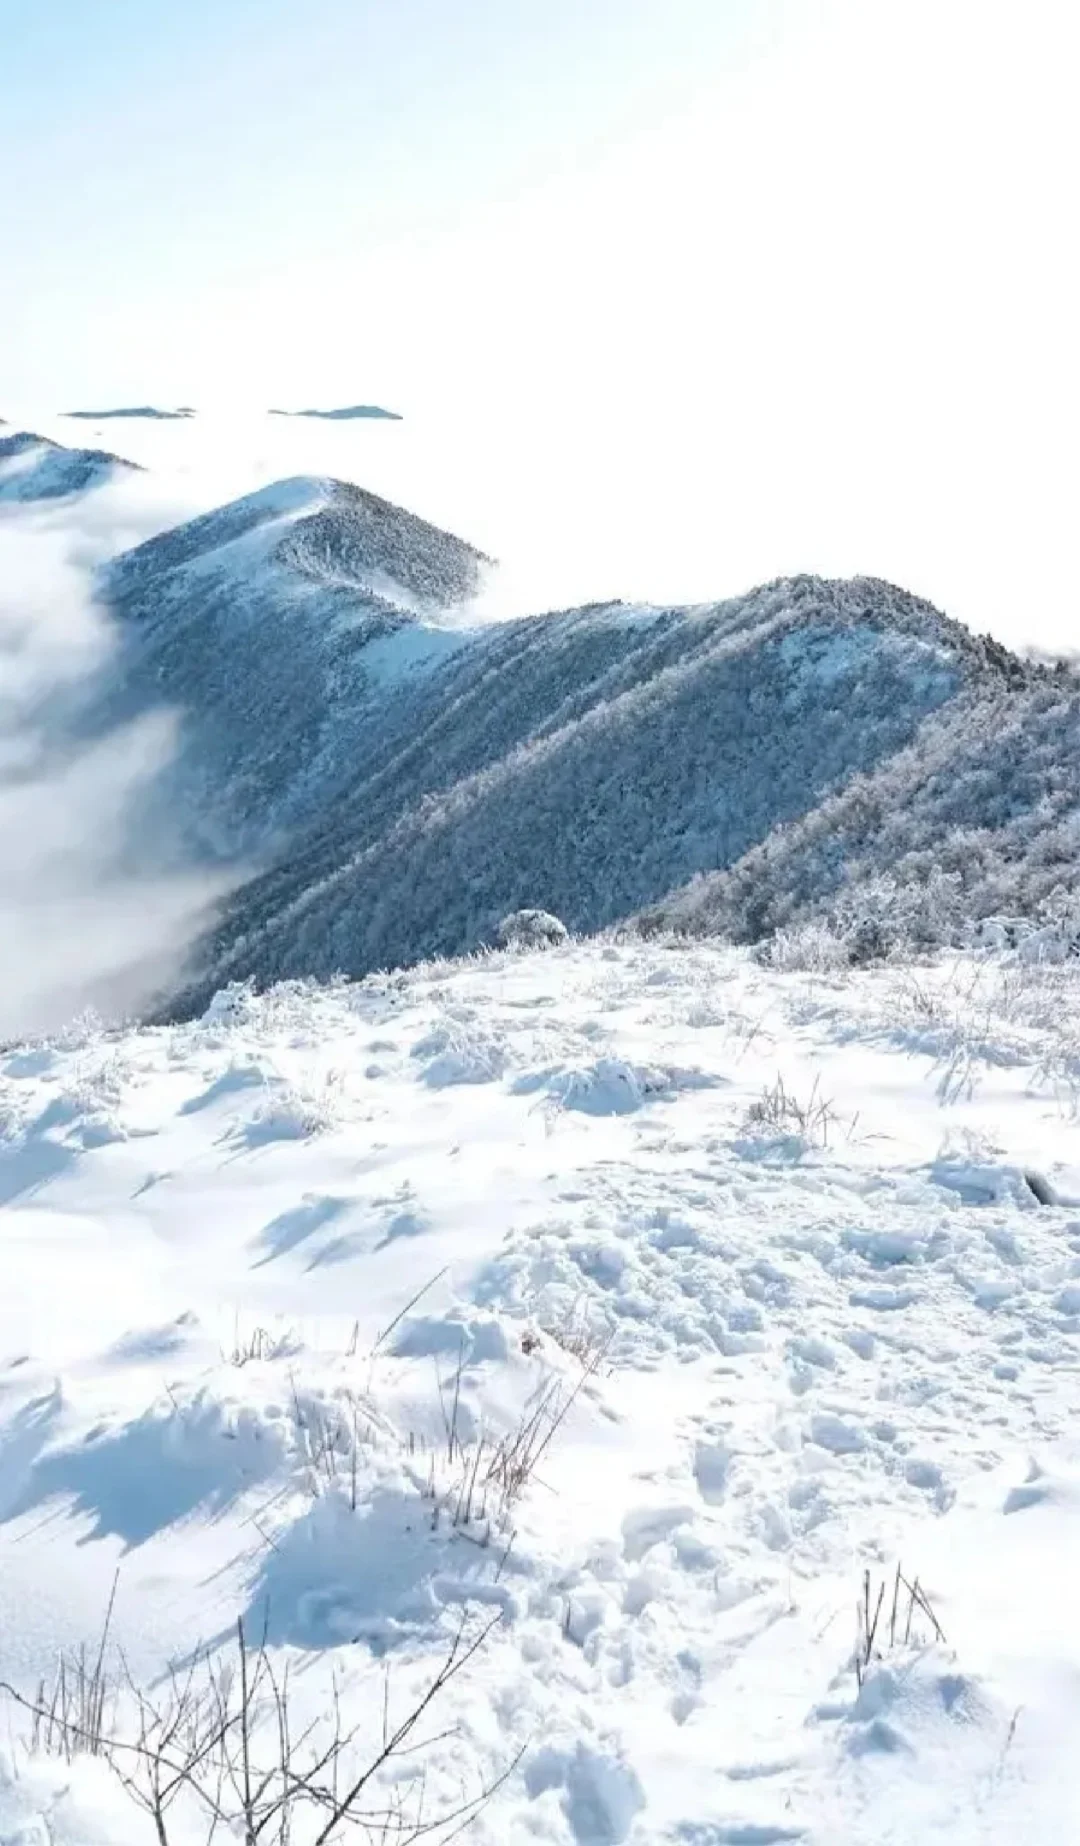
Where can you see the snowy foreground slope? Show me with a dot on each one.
(278, 1283)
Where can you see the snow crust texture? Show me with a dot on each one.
(796, 1255)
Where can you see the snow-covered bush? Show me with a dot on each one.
(531, 929)
(295, 1110)
(882, 917)
(807, 948)
(232, 1005)
(1051, 935)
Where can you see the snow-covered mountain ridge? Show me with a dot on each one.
(406, 774)
(403, 773)
(272, 623)
(34, 468)
(691, 1330)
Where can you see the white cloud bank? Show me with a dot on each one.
(96, 910)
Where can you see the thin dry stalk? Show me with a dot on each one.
(909, 1599)
(576, 1334)
(779, 1111)
(260, 1344)
(491, 1475)
(76, 1704)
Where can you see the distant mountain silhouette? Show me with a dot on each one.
(350, 413)
(138, 410)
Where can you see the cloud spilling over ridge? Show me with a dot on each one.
(97, 909)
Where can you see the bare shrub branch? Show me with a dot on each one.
(220, 1735)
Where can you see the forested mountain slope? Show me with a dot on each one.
(978, 817)
(586, 762)
(403, 776)
(274, 624)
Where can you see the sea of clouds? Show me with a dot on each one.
(97, 910)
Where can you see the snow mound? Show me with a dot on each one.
(915, 1706)
(979, 1184)
(460, 1051)
(611, 1086)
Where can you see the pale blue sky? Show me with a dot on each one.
(166, 152)
(677, 295)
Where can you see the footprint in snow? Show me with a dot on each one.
(712, 1463)
(601, 1794)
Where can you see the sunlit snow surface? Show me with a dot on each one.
(818, 1351)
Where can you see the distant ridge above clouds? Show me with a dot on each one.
(348, 413)
(148, 411)
(34, 468)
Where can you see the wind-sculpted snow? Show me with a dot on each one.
(34, 468)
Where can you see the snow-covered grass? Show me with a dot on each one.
(636, 1309)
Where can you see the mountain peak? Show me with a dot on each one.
(356, 536)
(33, 467)
(278, 625)
(326, 532)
